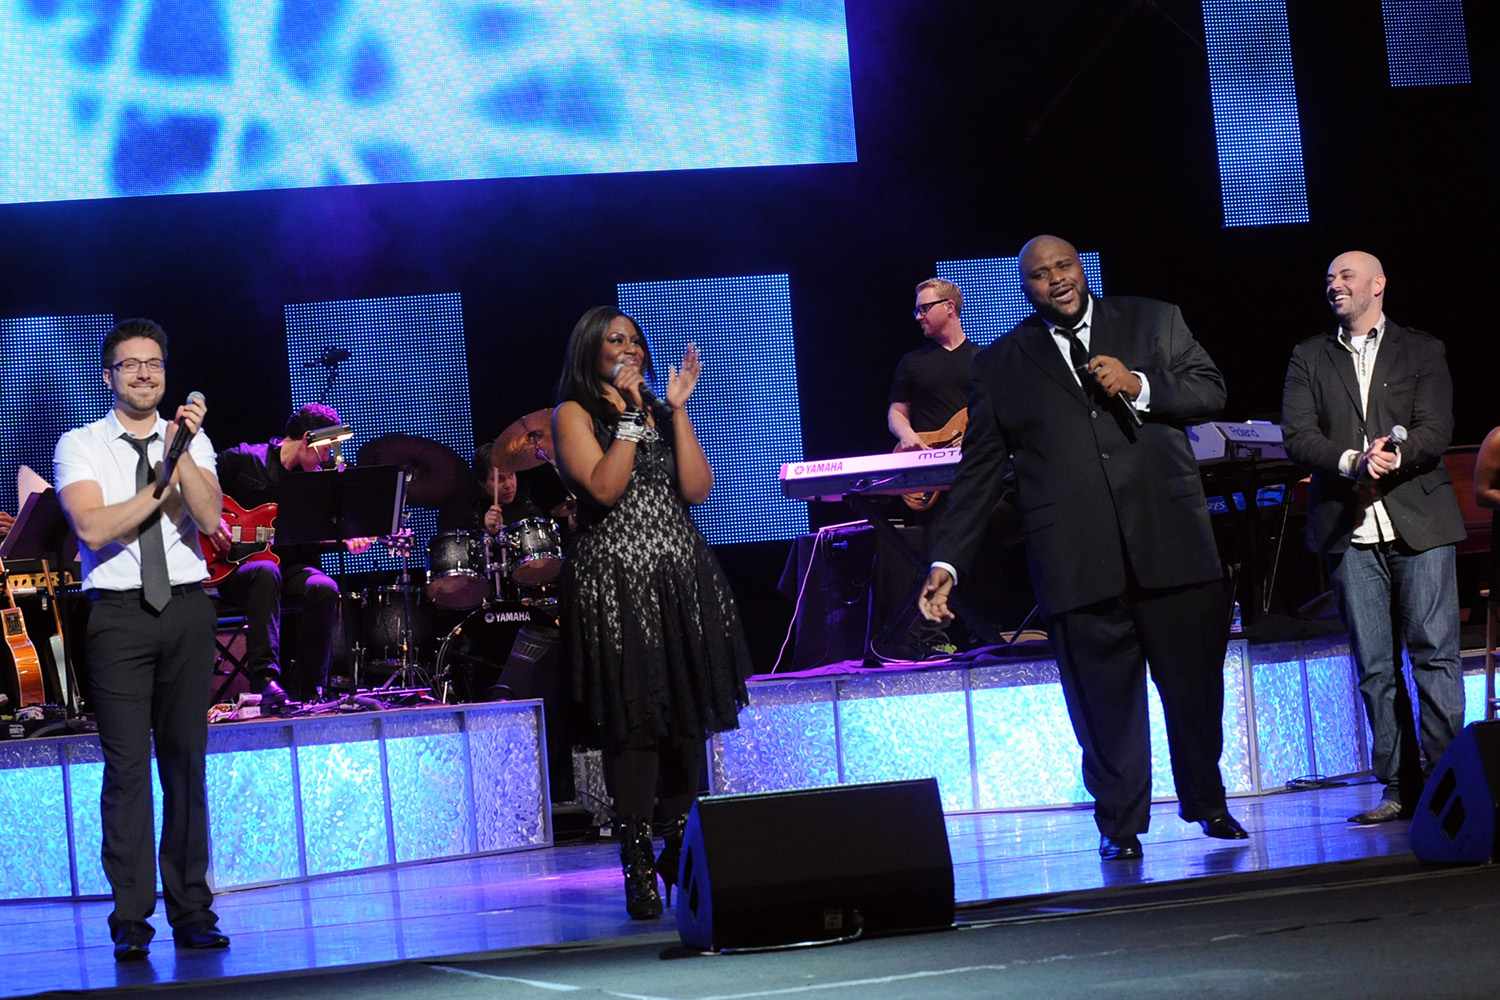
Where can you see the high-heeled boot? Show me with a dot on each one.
(641, 897)
(670, 858)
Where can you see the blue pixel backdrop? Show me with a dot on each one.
(407, 373)
(52, 385)
(745, 408)
(1256, 125)
(102, 98)
(993, 299)
(1426, 44)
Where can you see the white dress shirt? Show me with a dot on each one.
(96, 452)
(1375, 526)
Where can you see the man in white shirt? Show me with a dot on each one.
(1383, 515)
(150, 635)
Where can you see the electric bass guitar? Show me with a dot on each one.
(251, 533)
(950, 435)
(24, 662)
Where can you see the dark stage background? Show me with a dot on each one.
(979, 124)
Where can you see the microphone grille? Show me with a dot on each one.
(1398, 434)
(197, 397)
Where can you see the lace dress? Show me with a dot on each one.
(657, 651)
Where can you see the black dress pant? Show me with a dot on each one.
(150, 675)
(259, 588)
(1102, 653)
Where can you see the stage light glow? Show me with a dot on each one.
(1256, 124)
(104, 98)
(1426, 43)
(746, 408)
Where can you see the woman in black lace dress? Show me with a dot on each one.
(657, 651)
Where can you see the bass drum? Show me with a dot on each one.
(381, 613)
(490, 655)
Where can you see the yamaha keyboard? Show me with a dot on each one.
(887, 474)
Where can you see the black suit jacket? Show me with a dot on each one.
(1084, 482)
(1322, 418)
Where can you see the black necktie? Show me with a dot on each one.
(1079, 356)
(156, 585)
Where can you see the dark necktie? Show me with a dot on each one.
(1079, 356)
(156, 585)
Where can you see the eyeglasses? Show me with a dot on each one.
(132, 365)
(923, 308)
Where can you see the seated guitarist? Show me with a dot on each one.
(252, 474)
(928, 400)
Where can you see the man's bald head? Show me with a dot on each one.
(1355, 289)
(1052, 277)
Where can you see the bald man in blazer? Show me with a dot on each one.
(1118, 541)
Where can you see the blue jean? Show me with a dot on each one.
(1390, 595)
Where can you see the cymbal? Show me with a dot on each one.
(525, 444)
(437, 473)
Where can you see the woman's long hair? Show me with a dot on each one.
(580, 380)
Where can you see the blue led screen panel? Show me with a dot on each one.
(107, 98)
(1256, 125)
(407, 373)
(1426, 44)
(745, 408)
(993, 299)
(52, 368)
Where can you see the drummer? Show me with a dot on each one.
(494, 501)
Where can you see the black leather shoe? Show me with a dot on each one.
(273, 699)
(1126, 848)
(201, 938)
(1387, 811)
(1224, 827)
(130, 951)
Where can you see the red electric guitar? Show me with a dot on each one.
(251, 533)
(26, 665)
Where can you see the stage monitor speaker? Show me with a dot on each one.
(1455, 821)
(782, 868)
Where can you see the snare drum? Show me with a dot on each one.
(382, 610)
(456, 570)
(536, 546)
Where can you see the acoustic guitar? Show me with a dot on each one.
(251, 534)
(950, 435)
(23, 661)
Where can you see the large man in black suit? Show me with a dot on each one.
(1385, 518)
(1118, 541)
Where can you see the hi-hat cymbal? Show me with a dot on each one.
(437, 473)
(525, 444)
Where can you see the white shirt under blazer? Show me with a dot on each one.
(96, 452)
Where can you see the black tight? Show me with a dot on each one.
(673, 770)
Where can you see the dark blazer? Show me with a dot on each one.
(1322, 418)
(1084, 481)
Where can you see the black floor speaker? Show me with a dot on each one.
(1455, 821)
(783, 868)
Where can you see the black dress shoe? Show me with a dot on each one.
(1224, 827)
(1387, 811)
(201, 938)
(131, 951)
(1126, 848)
(273, 699)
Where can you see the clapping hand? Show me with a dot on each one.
(682, 380)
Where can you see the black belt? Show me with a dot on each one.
(135, 595)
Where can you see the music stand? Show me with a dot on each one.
(322, 508)
(41, 533)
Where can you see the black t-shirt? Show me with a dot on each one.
(934, 383)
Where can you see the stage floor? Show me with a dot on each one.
(572, 894)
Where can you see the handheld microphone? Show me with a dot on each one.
(1395, 439)
(648, 398)
(180, 442)
(1126, 407)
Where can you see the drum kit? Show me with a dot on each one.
(486, 598)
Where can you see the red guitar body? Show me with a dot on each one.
(251, 533)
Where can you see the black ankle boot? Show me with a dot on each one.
(641, 897)
(670, 858)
